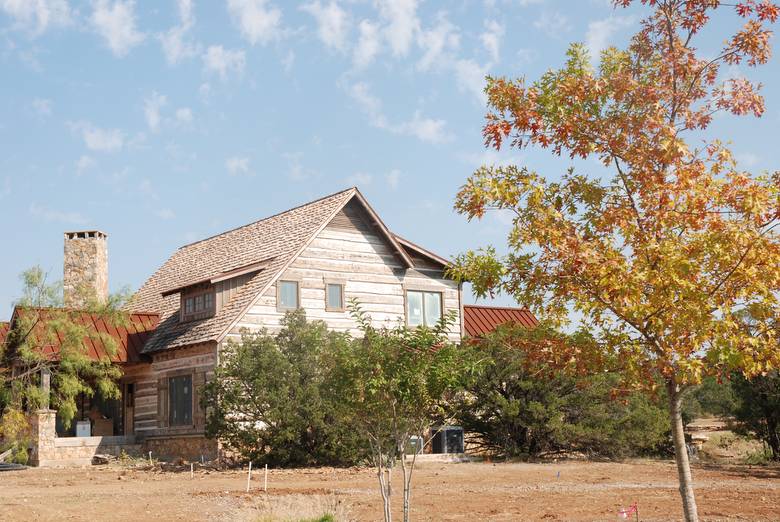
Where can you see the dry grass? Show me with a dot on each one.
(291, 508)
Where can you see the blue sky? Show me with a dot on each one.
(162, 122)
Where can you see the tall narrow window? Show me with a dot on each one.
(423, 308)
(180, 400)
(287, 295)
(334, 297)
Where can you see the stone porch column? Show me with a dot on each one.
(44, 431)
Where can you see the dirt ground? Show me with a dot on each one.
(442, 491)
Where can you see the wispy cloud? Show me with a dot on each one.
(165, 213)
(36, 16)
(176, 43)
(436, 43)
(84, 163)
(223, 61)
(368, 44)
(359, 179)
(470, 77)
(258, 20)
(601, 31)
(48, 214)
(184, 115)
(553, 24)
(152, 106)
(238, 165)
(491, 38)
(393, 178)
(425, 129)
(116, 23)
(98, 139)
(402, 24)
(42, 106)
(332, 23)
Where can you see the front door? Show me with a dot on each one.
(129, 396)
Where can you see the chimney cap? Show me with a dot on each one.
(86, 234)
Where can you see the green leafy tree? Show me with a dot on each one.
(42, 323)
(520, 404)
(271, 402)
(758, 408)
(396, 383)
(662, 253)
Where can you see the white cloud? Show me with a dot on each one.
(470, 77)
(204, 91)
(393, 178)
(42, 106)
(332, 23)
(184, 115)
(600, 31)
(165, 213)
(116, 23)
(297, 171)
(224, 61)
(553, 24)
(436, 42)
(425, 129)
(368, 44)
(359, 179)
(174, 42)
(152, 106)
(237, 165)
(288, 61)
(97, 139)
(402, 24)
(258, 20)
(37, 15)
(47, 214)
(84, 163)
(747, 159)
(491, 38)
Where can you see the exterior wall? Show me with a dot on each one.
(85, 267)
(351, 251)
(151, 396)
(191, 447)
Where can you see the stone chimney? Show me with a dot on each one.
(85, 268)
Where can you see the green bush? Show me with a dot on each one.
(758, 408)
(270, 400)
(518, 407)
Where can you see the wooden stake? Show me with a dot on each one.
(150, 459)
(249, 476)
(192, 470)
(265, 482)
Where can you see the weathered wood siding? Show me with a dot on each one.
(351, 251)
(151, 389)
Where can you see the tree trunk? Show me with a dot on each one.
(681, 453)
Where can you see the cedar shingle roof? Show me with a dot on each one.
(479, 319)
(129, 338)
(274, 241)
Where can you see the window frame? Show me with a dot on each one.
(342, 284)
(279, 306)
(192, 296)
(422, 291)
(191, 422)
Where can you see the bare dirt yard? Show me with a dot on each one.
(442, 491)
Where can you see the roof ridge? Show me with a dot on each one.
(268, 217)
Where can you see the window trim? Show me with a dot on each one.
(178, 375)
(184, 296)
(423, 291)
(336, 282)
(279, 307)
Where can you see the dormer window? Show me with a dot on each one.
(197, 303)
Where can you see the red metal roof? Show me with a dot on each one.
(5, 327)
(130, 338)
(479, 319)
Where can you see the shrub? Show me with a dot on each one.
(758, 408)
(270, 400)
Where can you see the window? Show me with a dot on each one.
(197, 304)
(180, 400)
(334, 296)
(287, 295)
(422, 308)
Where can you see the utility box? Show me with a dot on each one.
(83, 429)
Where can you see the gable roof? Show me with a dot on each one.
(264, 248)
(130, 338)
(480, 319)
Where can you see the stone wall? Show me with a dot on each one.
(186, 447)
(48, 450)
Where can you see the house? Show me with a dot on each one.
(317, 256)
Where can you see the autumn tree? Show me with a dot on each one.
(662, 248)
